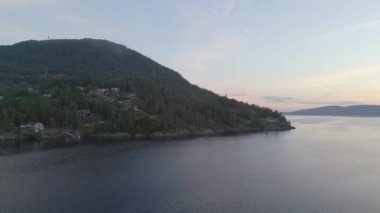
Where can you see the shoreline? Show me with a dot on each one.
(182, 134)
(16, 139)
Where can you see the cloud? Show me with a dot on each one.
(278, 99)
(285, 99)
(345, 87)
(23, 3)
(229, 7)
(197, 59)
(336, 78)
(375, 24)
(12, 30)
(71, 18)
(364, 25)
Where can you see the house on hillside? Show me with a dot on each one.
(115, 89)
(272, 120)
(48, 95)
(131, 96)
(32, 127)
(101, 91)
(84, 112)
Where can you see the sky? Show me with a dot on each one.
(286, 55)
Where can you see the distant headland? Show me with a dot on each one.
(88, 88)
(354, 110)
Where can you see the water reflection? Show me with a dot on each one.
(325, 165)
(26, 146)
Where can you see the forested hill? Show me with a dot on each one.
(96, 86)
(80, 58)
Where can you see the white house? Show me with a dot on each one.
(115, 89)
(48, 95)
(35, 127)
(101, 91)
(272, 120)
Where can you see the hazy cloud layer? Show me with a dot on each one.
(374, 24)
(218, 48)
(25, 3)
(278, 99)
(284, 99)
(338, 77)
(9, 29)
(230, 6)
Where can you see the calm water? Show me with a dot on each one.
(326, 165)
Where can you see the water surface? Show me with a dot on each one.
(328, 164)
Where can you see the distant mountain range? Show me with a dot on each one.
(355, 110)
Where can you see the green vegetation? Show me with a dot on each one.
(96, 86)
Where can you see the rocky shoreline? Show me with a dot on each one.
(12, 139)
(183, 134)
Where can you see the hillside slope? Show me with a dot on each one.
(96, 86)
(79, 58)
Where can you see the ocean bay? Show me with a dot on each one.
(328, 164)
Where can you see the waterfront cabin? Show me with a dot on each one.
(32, 127)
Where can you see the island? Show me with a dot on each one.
(81, 89)
(354, 110)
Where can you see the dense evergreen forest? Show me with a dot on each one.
(96, 86)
